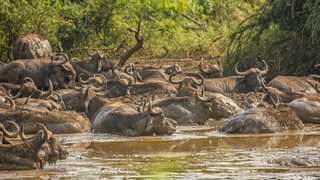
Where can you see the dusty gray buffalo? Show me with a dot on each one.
(116, 117)
(32, 46)
(294, 83)
(32, 153)
(307, 108)
(40, 71)
(263, 119)
(244, 82)
(197, 110)
(55, 121)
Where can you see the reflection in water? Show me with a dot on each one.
(189, 154)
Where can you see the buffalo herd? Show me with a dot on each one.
(44, 93)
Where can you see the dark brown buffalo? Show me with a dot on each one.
(32, 46)
(29, 89)
(75, 99)
(211, 71)
(264, 119)
(244, 82)
(32, 153)
(188, 86)
(40, 71)
(116, 117)
(285, 96)
(97, 63)
(197, 110)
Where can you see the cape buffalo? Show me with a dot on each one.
(56, 121)
(242, 83)
(40, 71)
(188, 86)
(264, 119)
(294, 83)
(29, 89)
(97, 63)
(211, 71)
(197, 110)
(32, 153)
(307, 108)
(116, 117)
(32, 46)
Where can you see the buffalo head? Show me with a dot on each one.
(252, 77)
(187, 86)
(157, 123)
(50, 150)
(101, 62)
(61, 72)
(211, 71)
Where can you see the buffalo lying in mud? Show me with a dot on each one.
(40, 71)
(264, 119)
(211, 71)
(188, 86)
(197, 110)
(116, 117)
(29, 89)
(307, 108)
(294, 83)
(56, 121)
(32, 46)
(46, 103)
(32, 153)
(244, 82)
(285, 96)
(95, 64)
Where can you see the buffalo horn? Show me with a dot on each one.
(198, 83)
(240, 73)
(265, 69)
(151, 110)
(200, 97)
(28, 79)
(276, 101)
(264, 86)
(47, 93)
(12, 103)
(177, 68)
(10, 134)
(175, 82)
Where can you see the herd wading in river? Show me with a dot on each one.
(46, 93)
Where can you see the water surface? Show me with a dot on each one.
(191, 153)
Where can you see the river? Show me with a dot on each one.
(191, 153)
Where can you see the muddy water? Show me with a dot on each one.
(191, 153)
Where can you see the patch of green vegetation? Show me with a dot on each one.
(285, 33)
(171, 28)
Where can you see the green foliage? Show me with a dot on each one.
(171, 28)
(286, 33)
